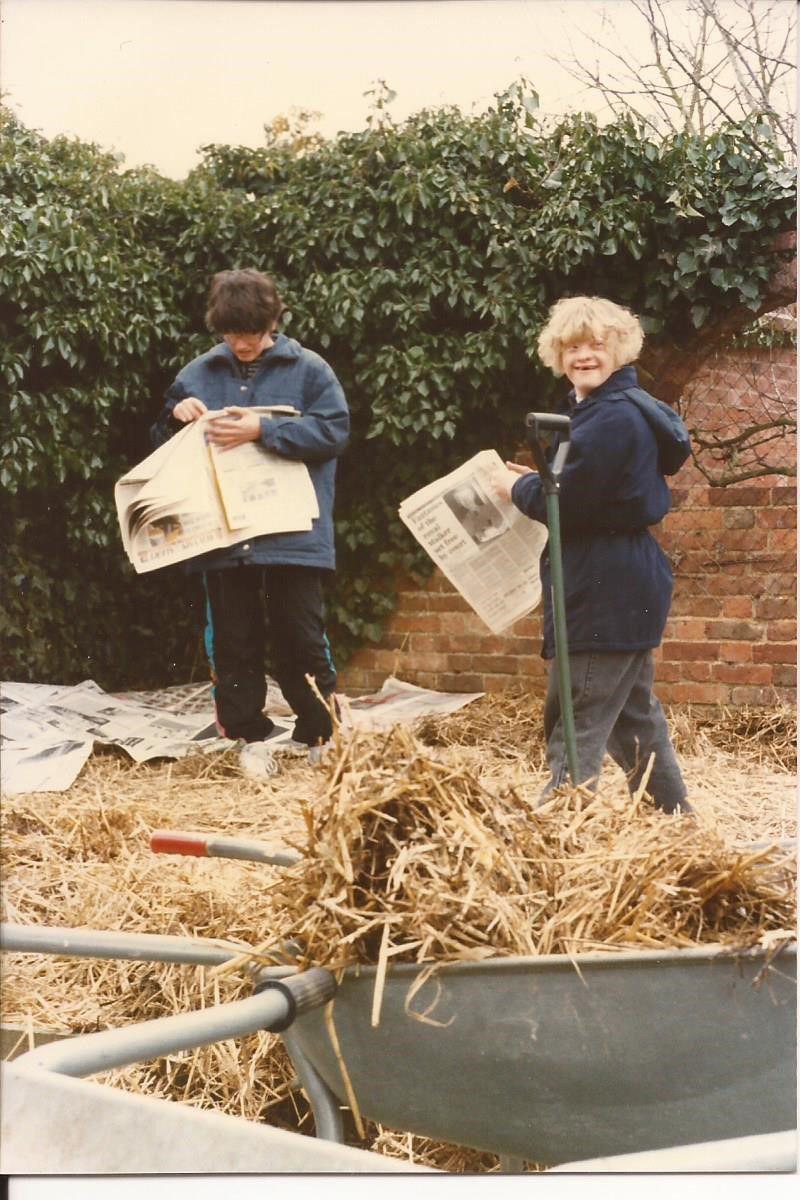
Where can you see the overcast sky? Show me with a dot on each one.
(155, 79)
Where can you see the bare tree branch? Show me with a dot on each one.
(734, 60)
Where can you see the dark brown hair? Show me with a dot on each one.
(245, 301)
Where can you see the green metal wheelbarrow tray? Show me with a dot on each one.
(555, 1059)
(548, 1059)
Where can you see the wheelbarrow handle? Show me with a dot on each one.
(201, 845)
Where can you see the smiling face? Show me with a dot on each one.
(587, 363)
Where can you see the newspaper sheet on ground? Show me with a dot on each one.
(484, 545)
(399, 703)
(48, 732)
(189, 496)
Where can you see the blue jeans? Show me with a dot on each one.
(615, 711)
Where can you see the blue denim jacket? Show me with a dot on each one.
(617, 579)
(288, 374)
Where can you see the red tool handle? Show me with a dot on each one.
(163, 841)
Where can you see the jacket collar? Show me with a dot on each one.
(618, 381)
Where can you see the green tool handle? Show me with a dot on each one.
(560, 631)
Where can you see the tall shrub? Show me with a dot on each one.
(420, 259)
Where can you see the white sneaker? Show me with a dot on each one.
(295, 749)
(257, 760)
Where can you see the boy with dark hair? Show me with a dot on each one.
(254, 365)
(618, 581)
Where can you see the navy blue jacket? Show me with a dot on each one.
(617, 579)
(288, 374)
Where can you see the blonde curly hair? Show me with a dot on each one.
(577, 318)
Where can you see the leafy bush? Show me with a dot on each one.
(419, 259)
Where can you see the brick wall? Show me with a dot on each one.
(731, 634)
(746, 389)
(730, 638)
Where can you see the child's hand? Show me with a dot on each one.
(503, 481)
(233, 427)
(189, 409)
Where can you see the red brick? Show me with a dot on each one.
(699, 693)
(461, 683)
(742, 518)
(687, 629)
(773, 608)
(415, 623)
(778, 518)
(775, 652)
(733, 497)
(734, 631)
(747, 673)
(776, 561)
(454, 623)
(691, 651)
(741, 652)
(737, 606)
(495, 684)
(746, 539)
(691, 519)
(698, 671)
(781, 631)
(781, 539)
(439, 603)
(669, 671)
(753, 695)
(494, 663)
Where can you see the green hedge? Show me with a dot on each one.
(419, 259)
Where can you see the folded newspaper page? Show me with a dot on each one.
(484, 545)
(189, 497)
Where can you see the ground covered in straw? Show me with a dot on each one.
(420, 845)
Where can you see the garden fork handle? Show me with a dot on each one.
(201, 845)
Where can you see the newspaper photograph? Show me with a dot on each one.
(487, 549)
(188, 496)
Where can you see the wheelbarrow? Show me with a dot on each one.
(550, 1059)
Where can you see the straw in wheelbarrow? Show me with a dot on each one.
(412, 858)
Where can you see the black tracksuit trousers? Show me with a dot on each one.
(236, 642)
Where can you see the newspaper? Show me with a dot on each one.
(484, 545)
(48, 732)
(400, 703)
(189, 496)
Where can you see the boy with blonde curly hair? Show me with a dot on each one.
(617, 579)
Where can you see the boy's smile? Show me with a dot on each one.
(587, 365)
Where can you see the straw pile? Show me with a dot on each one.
(423, 850)
(411, 857)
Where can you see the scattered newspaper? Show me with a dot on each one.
(189, 496)
(484, 545)
(48, 732)
(400, 703)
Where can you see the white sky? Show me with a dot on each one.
(155, 79)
